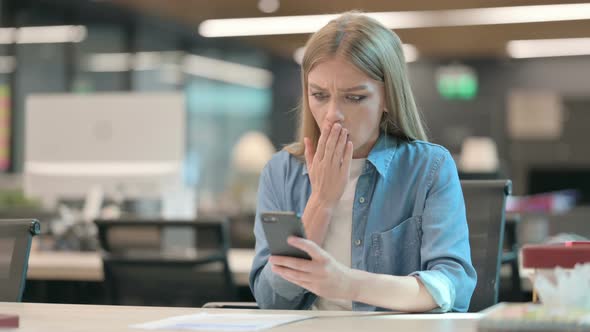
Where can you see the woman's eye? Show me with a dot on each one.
(319, 96)
(355, 98)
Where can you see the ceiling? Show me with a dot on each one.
(437, 42)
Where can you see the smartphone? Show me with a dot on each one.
(278, 226)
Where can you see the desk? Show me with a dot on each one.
(89, 318)
(87, 266)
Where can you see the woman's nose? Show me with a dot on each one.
(334, 113)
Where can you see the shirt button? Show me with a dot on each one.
(362, 200)
(357, 242)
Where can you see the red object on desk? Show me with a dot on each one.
(576, 243)
(546, 256)
(10, 321)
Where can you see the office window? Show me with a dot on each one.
(218, 115)
(101, 61)
(157, 59)
(41, 69)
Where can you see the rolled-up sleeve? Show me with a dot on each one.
(270, 290)
(447, 272)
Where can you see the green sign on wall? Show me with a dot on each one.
(457, 82)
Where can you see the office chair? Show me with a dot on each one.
(15, 244)
(485, 204)
(241, 233)
(510, 252)
(140, 271)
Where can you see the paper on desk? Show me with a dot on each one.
(221, 322)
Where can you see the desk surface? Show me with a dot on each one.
(87, 266)
(89, 318)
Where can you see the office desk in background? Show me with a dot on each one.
(87, 266)
(66, 317)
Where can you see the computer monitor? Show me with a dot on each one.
(125, 143)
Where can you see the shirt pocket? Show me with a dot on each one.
(397, 251)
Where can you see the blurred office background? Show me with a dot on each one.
(506, 90)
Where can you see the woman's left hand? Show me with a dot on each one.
(322, 275)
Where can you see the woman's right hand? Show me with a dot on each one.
(328, 166)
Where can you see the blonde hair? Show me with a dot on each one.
(377, 52)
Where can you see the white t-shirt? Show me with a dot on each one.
(339, 235)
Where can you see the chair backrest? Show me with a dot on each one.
(241, 226)
(485, 203)
(140, 271)
(15, 245)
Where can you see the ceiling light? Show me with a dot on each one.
(43, 34)
(410, 52)
(215, 69)
(298, 55)
(120, 62)
(279, 25)
(268, 6)
(229, 72)
(537, 48)
(50, 34)
(108, 62)
(7, 35)
(276, 25)
(147, 61)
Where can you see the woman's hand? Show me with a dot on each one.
(322, 275)
(328, 166)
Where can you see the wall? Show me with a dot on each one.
(449, 122)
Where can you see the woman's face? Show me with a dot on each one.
(338, 92)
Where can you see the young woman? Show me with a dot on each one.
(382, 208)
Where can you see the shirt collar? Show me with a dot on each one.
(383, 152)
(380, 156)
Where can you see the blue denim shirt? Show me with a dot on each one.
(409, 215)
